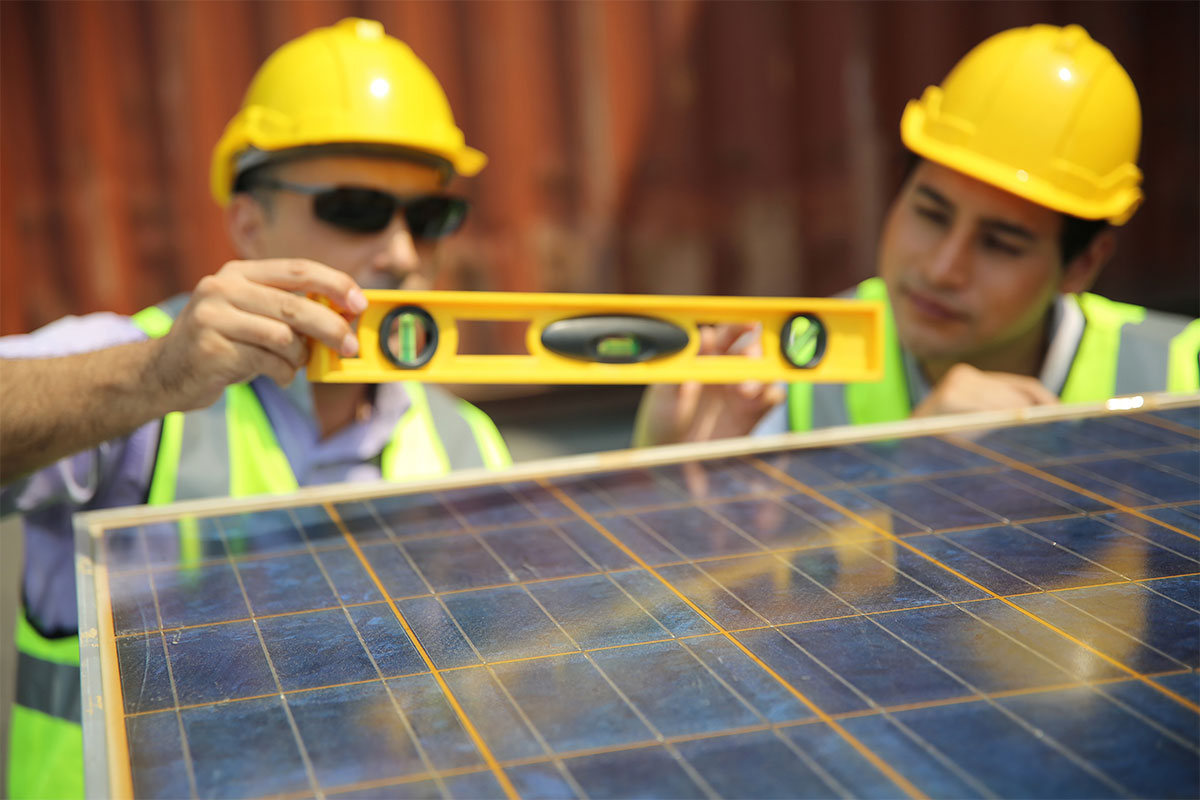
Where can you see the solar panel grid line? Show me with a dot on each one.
(484, 751)
(408, 727)
(1136, 535)
(682, 639)
(1173, 695)
(1141, 498)
(981, 695)
(261, 615)
(1074, 460)
(291, 719)
(798, 752)
(901, 782)
(829, 780)
(1162, 422)
(1149, 586)
(876, 710)
(1145, 458)
(384, 783)
(547, 751)
(1001, 694)
(607, 573)
(700, 567)
(672, 740)
(691, 772)
(944, 532)
(896, 514)
(1124, 579)
(844, 715)
(194, 626)
(1123, 582)
(577, 644)
(967, 444)
(698, 636)
(189, 766)
(937, 487)
(1133, 712)
(1148, 646)
(997, 596)
(151, 569)
(1002, 568)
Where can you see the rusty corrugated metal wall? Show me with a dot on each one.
(739, 148)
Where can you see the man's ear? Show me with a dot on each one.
(1082, 271)
(246, 221)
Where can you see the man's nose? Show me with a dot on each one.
(398, 252)
(950, 264)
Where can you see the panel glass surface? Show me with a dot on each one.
(1013, 613)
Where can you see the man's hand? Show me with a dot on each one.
(964, 388)
(694, 412)
(244, 321)
(248, 320)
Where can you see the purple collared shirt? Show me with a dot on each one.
(118, 472)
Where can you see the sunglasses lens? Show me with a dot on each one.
(435, 216)
(359, 210)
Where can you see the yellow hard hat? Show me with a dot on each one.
(351, 84)
(1043, 112)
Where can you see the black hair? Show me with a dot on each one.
(1076, 234)
(250, 182)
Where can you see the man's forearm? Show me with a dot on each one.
(54, 407)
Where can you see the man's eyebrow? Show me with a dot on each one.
(929, 193)
(1010, 228)
(996, 225)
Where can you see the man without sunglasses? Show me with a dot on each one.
(333, 177)
(1022, 159)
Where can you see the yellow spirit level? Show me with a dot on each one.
(606, 338)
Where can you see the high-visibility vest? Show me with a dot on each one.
(226, 450)
(1124, 349)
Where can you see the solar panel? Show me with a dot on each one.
(980, 610)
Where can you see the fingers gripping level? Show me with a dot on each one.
(591, 338)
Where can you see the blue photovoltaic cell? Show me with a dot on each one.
(1014, 615)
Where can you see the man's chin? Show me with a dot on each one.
(929, 348)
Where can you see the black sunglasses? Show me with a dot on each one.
(362, 210)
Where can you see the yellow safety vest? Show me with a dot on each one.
(1123, 350)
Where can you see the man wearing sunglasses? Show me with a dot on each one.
(1021, 162)
(333, 175)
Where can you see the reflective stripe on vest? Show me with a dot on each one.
(1183, 373)
(1124, 349)
(230, 449)
(47, 672)
(45, 748)
(438, 433)
(1093, 374)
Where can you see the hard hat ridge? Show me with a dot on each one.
(344, 85)
(1044, 112)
